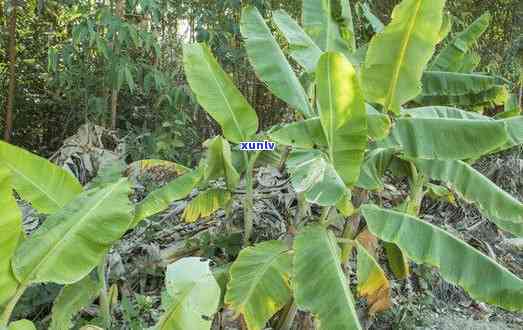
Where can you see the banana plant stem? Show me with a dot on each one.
(348, 234)
(6, 315)
(287, 317)
(248, 203)
(105, 309)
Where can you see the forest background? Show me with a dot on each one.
(118, 64)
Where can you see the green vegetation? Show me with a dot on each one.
(408, 109)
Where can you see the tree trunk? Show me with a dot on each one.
(120, 12)
(12, 74)
(114, 106)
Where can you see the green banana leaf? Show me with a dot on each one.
(269, 62)
(301, 47)
(342, 13)
(320, 25)
(443, 112)
(514, 124)
(192, 296)
(47, 186)
(515, 131)
(205, 204)
(397, 57)
(511, 107)
(12, 233)
(342, 115)
(464, 89)
(446, 139)
(496, 204)
(470, 62)
(458, 263)
(72, 241)
(218, 162)
(161, 198)
(217, 94)
(373, 169)
(71, 300)
(379, 124)
(308, 134)
(451, 57)
(259, 282)
(316, 177)
(320, 286)
(446, 27)
(21, 325)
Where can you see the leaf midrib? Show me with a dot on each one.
(33, 183)
(339, 274)
(257, 279)
(176, 306)
(69, 232)
(229, 107)
(399, 61)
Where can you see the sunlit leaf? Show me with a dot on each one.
(192, 296)
(342, 115)
(47, 186)
(372, 282)
(161, 198)
(397, 57)
(12, 232)
(259, 282)
(217, 94)
(72, 241)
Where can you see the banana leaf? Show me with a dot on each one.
(459, 263)
(217, 94)
(301, 47)
(47, 186)
(397, 56)
(192, 296)
(12, 233)
(270, 63)
(450, 88)
(342, 115)
(320, 286)
(452, 56)
(72, 241)
(259, 282)
(496, 204)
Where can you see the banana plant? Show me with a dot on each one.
(424, 143)
(448, 80)
(192, 296)
(80, 228)
(358, 123)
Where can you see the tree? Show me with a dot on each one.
(12, 72)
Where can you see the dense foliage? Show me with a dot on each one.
(351, 111)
